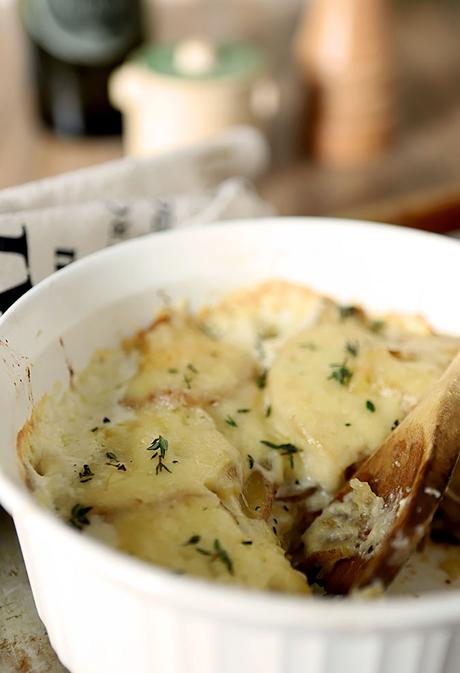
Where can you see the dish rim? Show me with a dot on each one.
(276, 609)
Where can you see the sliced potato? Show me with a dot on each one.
(177, 358)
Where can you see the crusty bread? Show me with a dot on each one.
(380, 516)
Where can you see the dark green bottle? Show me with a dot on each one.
(74, 46)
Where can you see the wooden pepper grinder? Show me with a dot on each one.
(345, 50)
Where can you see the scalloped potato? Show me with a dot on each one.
(208, 443)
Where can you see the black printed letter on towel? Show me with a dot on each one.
(14, 245)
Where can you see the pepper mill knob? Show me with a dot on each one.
(346, 54)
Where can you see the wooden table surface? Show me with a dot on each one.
(24, 644)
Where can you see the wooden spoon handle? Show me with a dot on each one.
(410, 472)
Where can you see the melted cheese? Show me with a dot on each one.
(265, 401)
(338, 423)
(177, 357)
(260, 564)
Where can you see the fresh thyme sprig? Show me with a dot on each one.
(159, 446)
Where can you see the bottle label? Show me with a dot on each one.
(86, 32)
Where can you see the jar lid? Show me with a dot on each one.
(202, 60)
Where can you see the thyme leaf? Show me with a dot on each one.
(340, 373)
(115, 462)
(261, 380)
(231, 422)
(286, 450)
(78, 517)
(86, 474)
(205, 552)
(348, 311)
(309, 345)
(377, 326)
(222, 555)
(352, 348)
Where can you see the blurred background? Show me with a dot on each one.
(359, 99)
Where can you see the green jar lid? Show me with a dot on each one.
(197, 60)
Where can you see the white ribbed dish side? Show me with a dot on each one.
(119, 631)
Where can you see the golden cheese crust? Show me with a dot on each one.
(208, 443)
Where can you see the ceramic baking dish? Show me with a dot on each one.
(108, 613)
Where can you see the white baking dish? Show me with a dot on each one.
(108, 613)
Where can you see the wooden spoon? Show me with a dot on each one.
(410, 472)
